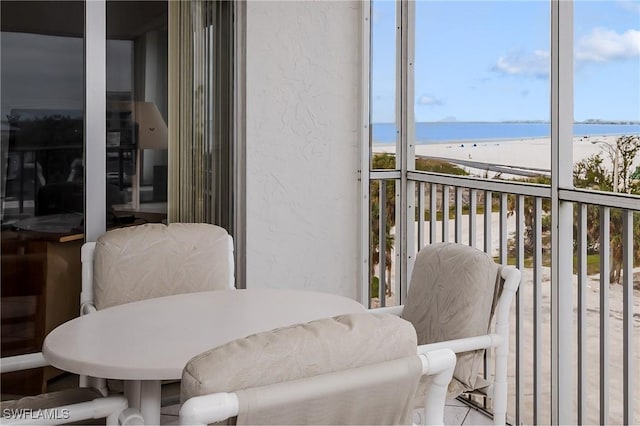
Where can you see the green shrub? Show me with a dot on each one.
(375, 286)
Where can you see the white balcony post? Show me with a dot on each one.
(95, 59)
(407, 247)
(365, 150)
(399, 115)
(562, 360)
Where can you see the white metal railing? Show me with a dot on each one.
(510, 221)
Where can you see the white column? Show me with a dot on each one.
(95, 58)
(407, 244)
(365, 154)
(562, 350)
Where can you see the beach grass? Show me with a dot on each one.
(593, 262)
(439, 166)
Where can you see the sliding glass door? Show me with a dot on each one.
(136, 110)
(42, 177)
(85, 143)
(64, 143)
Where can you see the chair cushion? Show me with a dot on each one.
(375, 394)
(318, 347)
(154, 260)
(452, 295)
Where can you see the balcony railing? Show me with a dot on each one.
(511, 221)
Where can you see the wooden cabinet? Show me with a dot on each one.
(41, 283)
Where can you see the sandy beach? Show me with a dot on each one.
(522, 155)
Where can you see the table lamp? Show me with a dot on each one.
(152, 130)
(151, 133)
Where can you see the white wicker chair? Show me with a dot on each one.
(153, 260)
(350, 369)
(455, 293)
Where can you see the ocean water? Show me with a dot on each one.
(385, 133)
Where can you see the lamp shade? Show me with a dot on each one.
(152, 129)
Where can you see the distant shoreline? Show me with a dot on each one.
(428, 133)
(506, 140)
(613, 122)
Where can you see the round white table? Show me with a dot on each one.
(152, 340)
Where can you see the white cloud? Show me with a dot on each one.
(534, 64)
(601, 45)
(605, 45)
(429, 100)
(630, 5)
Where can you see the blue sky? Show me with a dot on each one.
(489, 60)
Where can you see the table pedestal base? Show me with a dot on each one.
(145, 395)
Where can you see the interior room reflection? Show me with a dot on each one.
(43, 149)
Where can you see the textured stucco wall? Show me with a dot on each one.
(303, 103)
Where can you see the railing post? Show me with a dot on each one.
(583, 388)
(519, 385)
(382, 242)
(473, 211)
(433, 212)
(504, 200)
(605, 269)
(488, 213)
(537, 314)
(629, 370)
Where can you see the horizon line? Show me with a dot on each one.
(589, 121)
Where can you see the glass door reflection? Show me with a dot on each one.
(42, 176)
(136, 139)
